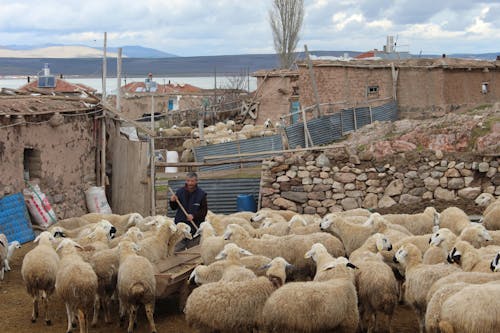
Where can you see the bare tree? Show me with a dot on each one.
(286, 18)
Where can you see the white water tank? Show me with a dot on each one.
(172, 157)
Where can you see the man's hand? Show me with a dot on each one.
(173, 198)
(190, 217)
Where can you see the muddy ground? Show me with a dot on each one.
(15, 310)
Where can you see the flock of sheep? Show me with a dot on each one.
(92, 259)
(277, 271)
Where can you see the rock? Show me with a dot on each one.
(350, 187)
(314, 203)
(418, 191)
(466, 172)
(295, 196)
(496, 179)
(394, 188)
(443, 182)
(349, 203)
(386, 202)
(408, 183)
(309, 210)
(411, 174)
(402, 146)
(460, 166)
(285, 204)
(437, 174)
(335, 209)
(491, 172)
(469, 193)
(324, 175)
(439, 154)
(321, 188)
(456, 183)
(452, 173)
(307, 181)
(316, 196)
(282, 179)
(303, 174)
(282, 167)
(484, 199)
(362, 177)
(338, 196)
(354, 159)
(408, 199)
(322, 161)
(321, 211)
(468, 181)
(452, 164)
(308, 188)
(354, 194)
(266, 191)
(344, 177)
(489, 189)
(276, 186)
(365, 155)
(428, 195)
(317, 180)
(444, 194)
(291, 173)
(373, 182)
(371, 201)
(328, 203)
(483, 167)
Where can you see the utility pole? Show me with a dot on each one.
(119, 79)
(313, 82)
(153, 157)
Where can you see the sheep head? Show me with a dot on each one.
(234, 231)
(494, 266)
(68, 246)
(382, 242)
(406, 254)
(108, 227)
(44, 237)
(184, 230)
(232, 251)
(276, 271)
(316, 250)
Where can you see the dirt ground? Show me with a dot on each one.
(468, 206)
(16, 305)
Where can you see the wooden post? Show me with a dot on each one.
(313, 82)
(354, 116)
(103, 120)
(152, 163)
(371, 114)
(307, 135)
(118, 79)
(394, 81)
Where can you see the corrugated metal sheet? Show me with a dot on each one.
(347, 120)
(336, 126)
(321, 131)
(362, 117)
(386, 112)
(222, 193)
(295, 134)
(254, 145)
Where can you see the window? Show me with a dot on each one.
(484, 87)
(372, 90)
(32, 163)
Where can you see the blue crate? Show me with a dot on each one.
(14, 219)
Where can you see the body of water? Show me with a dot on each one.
(204, 82)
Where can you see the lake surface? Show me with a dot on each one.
(204, 82)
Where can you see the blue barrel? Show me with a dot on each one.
(246, 203)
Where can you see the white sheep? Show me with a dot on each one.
(39, 270)
(454, 219)
(121, 222)
(136, 284)
(492, 205)
(234, 306)
(491, 220)
(58, 231)
(210, 243)
(76, 284)
(352, 235)
(440, 243)
(419, 278)
(291, 247)
(133, 234)
(73, 223)
(468, 258)
(378, 289)
(183, 232)
(4, 249)
(476, 234)
(464, 311)
(155, 248)
(417, 224)
(315, 306)
(10, 251)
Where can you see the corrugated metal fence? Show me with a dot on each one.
(323, 130)
(222, 193)
(254, 145)
(329, 128)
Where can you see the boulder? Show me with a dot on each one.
(371, 201)
(295, 196)
(456, 183)
(349, 203)
(386, 202)
(408, 199)
(285, 204)
(444, 194)
(469, 193)
(394, 188)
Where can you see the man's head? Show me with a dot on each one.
(191, 180)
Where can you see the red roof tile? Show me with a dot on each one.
(369, 54)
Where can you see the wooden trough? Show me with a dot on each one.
(175, 270)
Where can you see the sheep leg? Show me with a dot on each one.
(106, 304)
(149, 313)
(6, 265)
(97, 307)
(45, 301)
(122, 314)
(34, 313)
(2, 273)
(82, 321)
(69, 313)
(131, 317)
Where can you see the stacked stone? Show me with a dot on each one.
(330, 181)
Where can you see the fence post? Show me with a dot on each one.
(371, 115)
(354, 116)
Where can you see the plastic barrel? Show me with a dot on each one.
(246, 203)
(172, 157)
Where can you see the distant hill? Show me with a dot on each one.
(77, 51)
(223, 65)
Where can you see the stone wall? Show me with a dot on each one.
(340, 179)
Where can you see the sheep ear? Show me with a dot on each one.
(59, 246)
(266, 266)
(221, 255)
(309, 254)
(246, 252)
(351, 265)
(328, 266)
(1, 243)
(172, 227)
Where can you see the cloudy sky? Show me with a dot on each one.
(215, 27)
